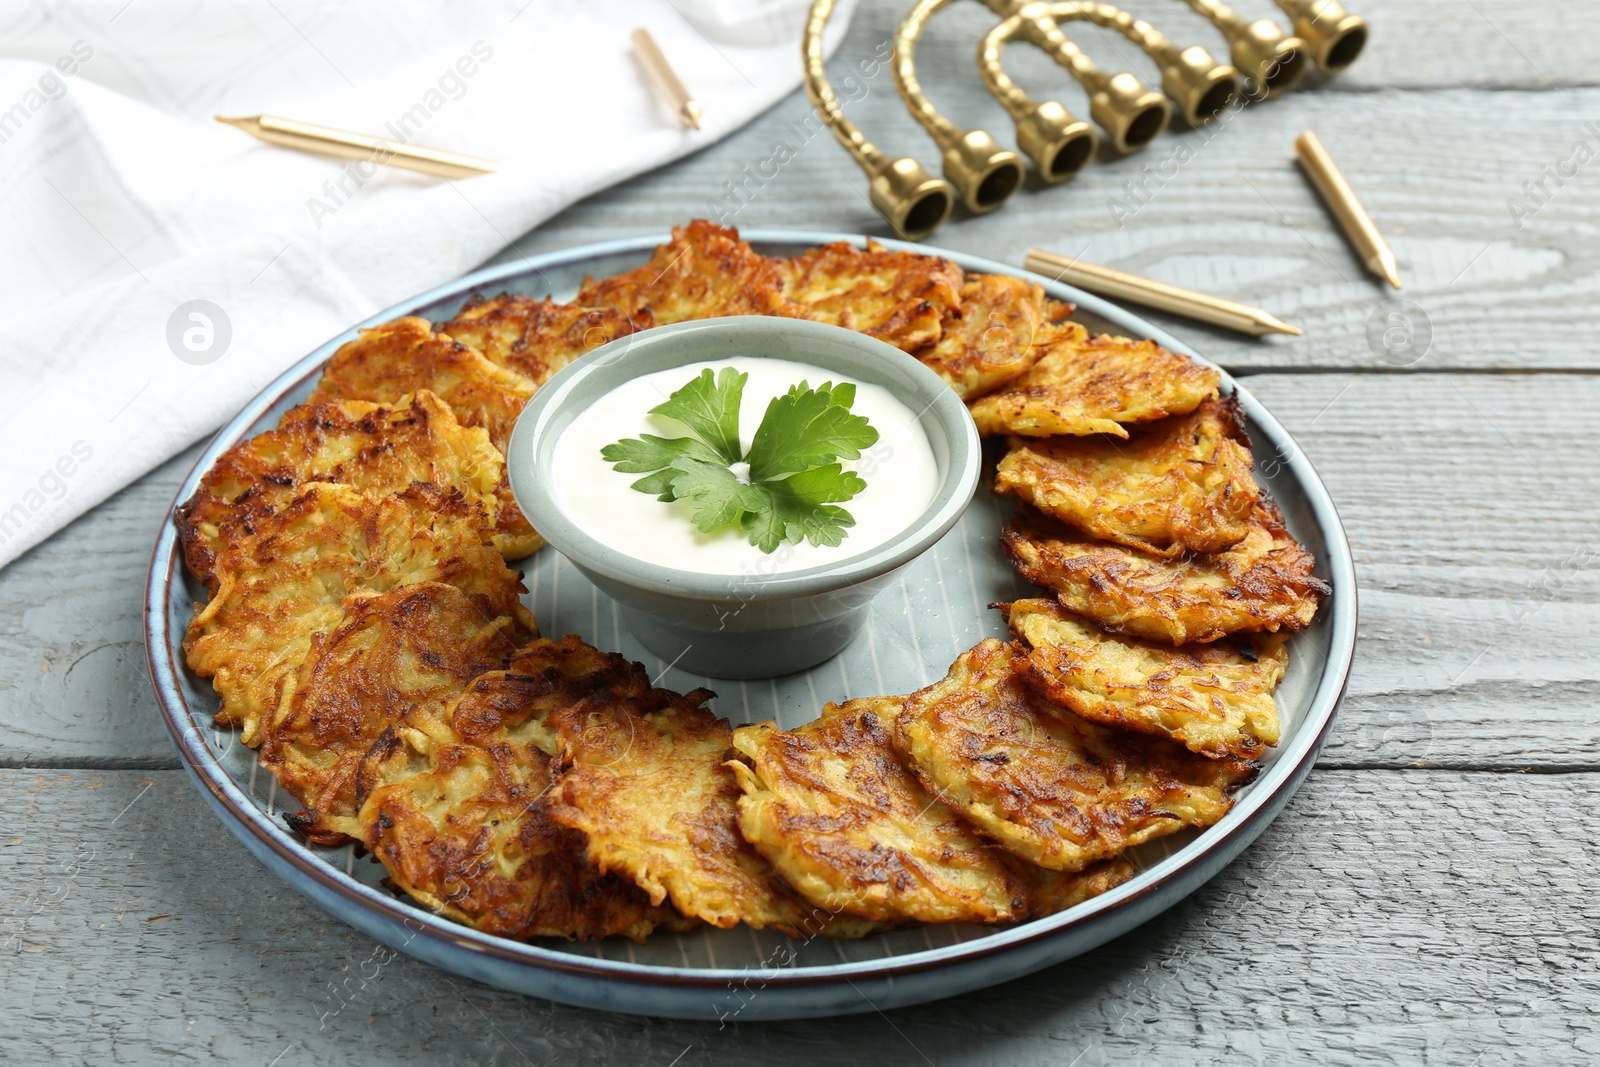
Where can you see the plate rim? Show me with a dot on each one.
(1240, 826)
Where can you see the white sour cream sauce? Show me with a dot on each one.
(901, 473)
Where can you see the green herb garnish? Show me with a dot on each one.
(794, 481)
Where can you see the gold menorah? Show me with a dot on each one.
(982, 174)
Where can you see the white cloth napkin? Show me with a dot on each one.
(122, 201)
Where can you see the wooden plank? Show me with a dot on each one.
(1413, 44)
(1226, 211)
(1428, 915)
(1379, 919)
(1473, 511)
(1471, 502)
(72, 666)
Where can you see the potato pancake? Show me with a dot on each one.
(993, 337)
(1262, 583)
(541, 677)
(374, 448)
(288, 581)
(1215, 699)
(365, 635)
(1056, 313)
(401, 654)
(1082, 385)
(644, 778)
(1056, 790)
(899, 297)
(703, 272)
(536, 338)
(1055, 891)
(1181, 484)
(456, 806)
(405, 356)
(850, 828)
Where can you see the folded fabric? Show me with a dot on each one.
(160, 268)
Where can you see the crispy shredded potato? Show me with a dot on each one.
(1055, 891)
(1056, 790)
(1081, 385)
(898, 297)
(374, 448)
(364, 632)
(456, 806)
(1215, 699)
(850, 828)
(1262, 583)
(407, 652)
(536, 338)
(703, 272)
(995, 336)
(644, 780)
(287, 582)
(1181, 484)
(405, 356)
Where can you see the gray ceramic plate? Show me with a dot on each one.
(938, 609)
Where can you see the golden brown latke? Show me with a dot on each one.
(1055, 891)
(374, 448)
(644, 779)
(1215, 699)
(403, 356)
(1056, 313)
(288, 581)
(1262, 583)
(404, 653)
(543, 676)
(1181, 484)
(1056, 790)
(536, 338)
(898, 297)
(457, 806)
(1083, 384)
(389, 361)
(849, 827)
(359, 637)
(703, 272)
(993, 337)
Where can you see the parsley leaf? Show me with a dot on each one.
(715, 493)
(800, 508)
(648, 453)
(807, 427)
(710, 407)
(795, 482)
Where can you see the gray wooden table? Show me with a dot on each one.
(1431, 894)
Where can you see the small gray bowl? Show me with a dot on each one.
(735, 625)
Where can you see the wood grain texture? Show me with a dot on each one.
(1227, 211)
(73, 685)
(1473, 511)
(1472, 503)
(1414, 44)
(1410, 905)
(1429, 916)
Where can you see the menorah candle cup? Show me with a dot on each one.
(1202, 87)
(1058, 142)
(1333, 36)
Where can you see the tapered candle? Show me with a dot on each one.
(1341, 200)
(666, 79)
(327, 141)
(1202, 307)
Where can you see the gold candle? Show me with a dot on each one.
(1202, 307)
(327, 141)
(1341, 199)
(666, 79)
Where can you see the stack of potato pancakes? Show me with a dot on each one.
(366, 636)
